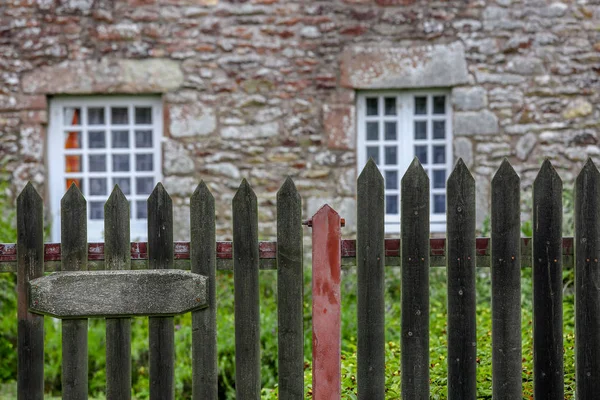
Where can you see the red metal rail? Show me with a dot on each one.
(267, 250)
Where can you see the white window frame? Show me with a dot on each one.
(56, 155)
(405, 142)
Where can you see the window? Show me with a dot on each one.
(393, 128)
(100, 142)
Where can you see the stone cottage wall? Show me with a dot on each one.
(266, 88)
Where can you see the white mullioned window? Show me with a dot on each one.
(98, 142)
(395, 127)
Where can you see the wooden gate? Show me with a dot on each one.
(75, 293)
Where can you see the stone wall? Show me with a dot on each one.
(266, 88)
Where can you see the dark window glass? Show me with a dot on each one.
(420, 105)
(439, 154)
(120, 162)
(124, 184)
(391, 204)
(96, 116)
(439, 104)
(96, 210)
(390, 106)
(141, 209)
(373, 152)
(119, 116)
(372, 108)
(98, 186)
(391, 180)
(96, 139)
(143, 115)
(372, 130)
(120, 139)
(439, 179)
(391, 155)
(439, 203)
(439, 129)
(143, 139)
(420, 130)
(421, 154)
(97, 162)
(390, 130)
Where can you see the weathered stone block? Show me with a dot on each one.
(177, 160)
(105, 76)
(463, 148)
(194, 119)
(475, 123)
(339, 123)
(525, 146)
(249, 132)
(376, 67)
(579, 107)
(469, 99)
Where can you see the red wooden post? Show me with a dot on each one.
(326, 267)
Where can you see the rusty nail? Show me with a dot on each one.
(343, 222)
(308, 222)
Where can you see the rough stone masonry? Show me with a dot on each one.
(266, 88)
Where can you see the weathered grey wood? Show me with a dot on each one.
(290, 292)
(30, 260)
(245, 277)
(161, 329)
(462, 332)
(587, 278)
(74, 331)
(204, 323)
(548, 369)
(370, 258)
(414, 220)
(506, 285)
(118, 330)
(117, 293)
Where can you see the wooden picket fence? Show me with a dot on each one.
(114, 267)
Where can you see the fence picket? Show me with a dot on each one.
(204, 322)
(118, 330)
(414, 220)
(506, 285)
(587, 276)
(161, 329)
(547, 285)
(30, 253)
(290, 293)
(247, 308)
(326, 304)
(370, 259)
(74, 331)
(462, 332)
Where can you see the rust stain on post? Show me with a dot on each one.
(327, 257)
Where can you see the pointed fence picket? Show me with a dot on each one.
(548, 253)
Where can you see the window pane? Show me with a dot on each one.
(439, 203)
(143, 162)
(72, 115)
(95, 115)
(439, 129)
(96, 140)
(439, 104)
(144, 185)
(120, 162)
(73, 164)
(391, 204)
(143, 139)
(420, 130)
(439, 179)
(420, 105)
(76, 181)
(119, 115)
(98, 186)
(421, 154)
(141, 209)
(72, 140)
(124, 184)
(391, 153)
(372, 106)
(372, 130)
(390, 130)
(390, 106)
(97, 162)
(391, 180)
(120, 139)
(373, 152)
(96, 210)
(439, 154)
(143, 115)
